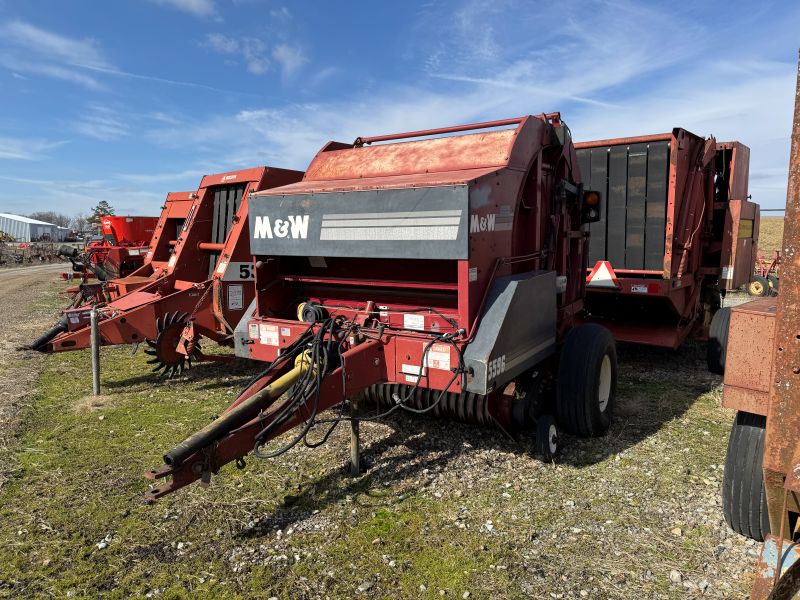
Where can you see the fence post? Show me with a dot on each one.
(93, 319)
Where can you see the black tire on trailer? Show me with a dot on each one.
(758, 286)
(744, 502)
(587, 381)
(773, 281)
(717, 347)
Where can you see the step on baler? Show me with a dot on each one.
(438, 275)
(193, 283)
(676, 232)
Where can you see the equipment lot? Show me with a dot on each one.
(443, 506)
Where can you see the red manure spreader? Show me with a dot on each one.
(118, 252)
(195, 280)
(438, 275)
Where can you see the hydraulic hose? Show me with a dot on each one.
(240, 415)
(41, 342)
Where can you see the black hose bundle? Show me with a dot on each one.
(325, 355)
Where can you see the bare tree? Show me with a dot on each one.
(50, 216)
(79, 222)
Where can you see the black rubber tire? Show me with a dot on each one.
(758, 286)
(577, 404)
(774, 282)
(543, 438)
(744, 502)
(717, 348)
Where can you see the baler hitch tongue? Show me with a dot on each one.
(237, 416)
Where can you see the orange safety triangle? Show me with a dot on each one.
(602, 276)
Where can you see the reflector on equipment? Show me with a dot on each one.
(603, 276)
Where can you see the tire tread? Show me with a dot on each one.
(743, 499)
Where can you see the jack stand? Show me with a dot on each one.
(355, 448)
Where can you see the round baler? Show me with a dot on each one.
(435, 275)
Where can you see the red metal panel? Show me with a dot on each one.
(245, 175)
(388, 182)
(748, 362)
(456, 153)
(129, 230)
(738, 181)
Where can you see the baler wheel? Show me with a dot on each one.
(587, 381)
(758, 286)
(546, 437)
(744, 501)
(164, 349)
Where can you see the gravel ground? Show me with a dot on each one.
(22, 290)
(443, 510)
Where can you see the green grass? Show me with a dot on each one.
(79, 479)
(300, 527)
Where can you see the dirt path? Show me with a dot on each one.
(27, 311)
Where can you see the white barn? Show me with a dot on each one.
(23, 229)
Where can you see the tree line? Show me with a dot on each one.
(80, 221)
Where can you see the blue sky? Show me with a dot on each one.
(130, 99)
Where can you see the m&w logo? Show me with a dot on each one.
(294, 227)
(478, 224)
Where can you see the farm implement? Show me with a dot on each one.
(119, 252)
(192, 282)
(439, 275)
(761, 486)
(676, 232)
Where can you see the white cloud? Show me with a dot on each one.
(102, 123)
(71, 195)
(25, 48)
(252, 51)
(290, 58)
(53, 46)
(198, 8)
(26, 148)
(223, 44)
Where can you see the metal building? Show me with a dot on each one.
(23, 229)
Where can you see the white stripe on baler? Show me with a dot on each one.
(404, 233)
(390, 222)
(395, 215)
